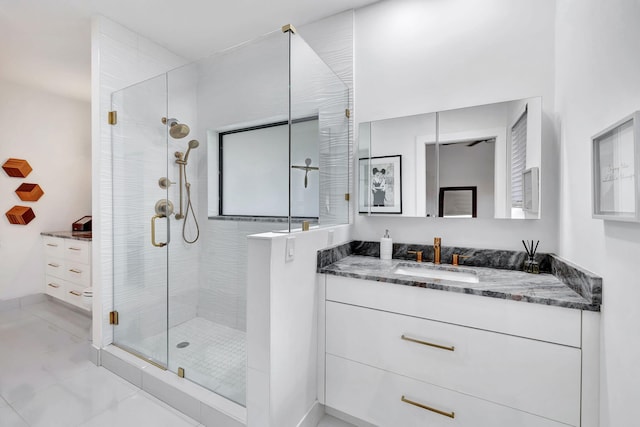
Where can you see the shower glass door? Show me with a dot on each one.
(320, 156)
(140, 220)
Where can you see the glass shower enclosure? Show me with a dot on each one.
(184, 149)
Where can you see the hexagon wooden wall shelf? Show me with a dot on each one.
(22, 215)
(29, 192)
(17, 168)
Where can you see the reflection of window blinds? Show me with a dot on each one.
(518, 158)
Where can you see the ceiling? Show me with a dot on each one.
(47, 43)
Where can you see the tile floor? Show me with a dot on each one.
(47, 380)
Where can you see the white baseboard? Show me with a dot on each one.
(313, 415)
(13, 303)
(347, 418)
(94, 355)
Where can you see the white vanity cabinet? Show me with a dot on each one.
(67, 268)
(406, 356)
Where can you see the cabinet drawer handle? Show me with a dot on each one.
(428, 408)
(75, 249)
(53, 285)
(73, 270)
(430, 344)
(52, 244)
(76, 293)
(53, 265)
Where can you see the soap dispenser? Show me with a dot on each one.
(386, 246)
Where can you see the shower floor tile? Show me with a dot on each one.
(214, 358)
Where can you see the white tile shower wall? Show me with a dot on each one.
(184, 258)
(444, 55)
(259, 95)
(119, 58)
(222, 293)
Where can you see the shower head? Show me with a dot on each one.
(176, 130)
(192, 144)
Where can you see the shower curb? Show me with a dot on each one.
(189, 398)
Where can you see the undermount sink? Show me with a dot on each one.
(436, 273)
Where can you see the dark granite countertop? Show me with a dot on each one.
(75, 235)
(560, 284)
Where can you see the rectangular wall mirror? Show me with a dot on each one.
(494, 149)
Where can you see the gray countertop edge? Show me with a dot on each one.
(74, 235)
(464, 290)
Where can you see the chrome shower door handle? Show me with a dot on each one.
(153, 232)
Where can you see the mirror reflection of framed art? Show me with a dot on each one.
(381, 185)
(458, 202)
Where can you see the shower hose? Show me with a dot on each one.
(189, 209)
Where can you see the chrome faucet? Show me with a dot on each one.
(436, 250)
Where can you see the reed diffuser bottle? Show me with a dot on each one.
(531, 265)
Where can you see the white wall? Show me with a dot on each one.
(413, 56)
(53, 134)
(597, 81)
(282, 325)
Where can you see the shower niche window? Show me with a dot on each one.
(253, 136)
(253, 170)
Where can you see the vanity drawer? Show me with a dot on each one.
(73, 295)
(54, 267)
(53, 247)
(77, 251)
(541, 322)
(533, 376)
(54, 286)
(79, 274)
(374, 395)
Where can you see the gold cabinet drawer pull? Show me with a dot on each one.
(76, 293)
(52, 245)
(53, 285)
(53, 265)
(428, 408)
(430, 344)
(75, 249)
(73, 270)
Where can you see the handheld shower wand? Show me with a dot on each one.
(181, 161)
(192, 144)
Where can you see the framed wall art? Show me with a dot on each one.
(615, 169)
(381, 185)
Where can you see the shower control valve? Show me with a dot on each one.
(165, 182)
